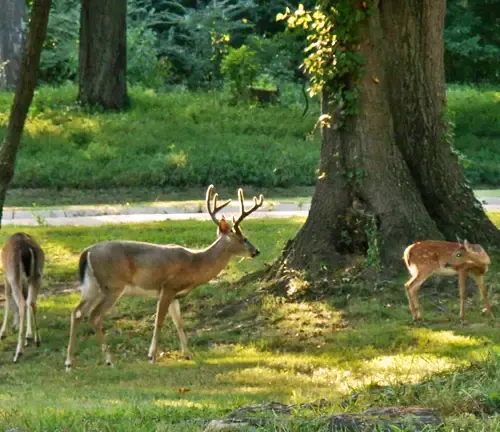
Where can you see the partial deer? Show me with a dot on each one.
(112, 268)
(433, 257)
(23, 261)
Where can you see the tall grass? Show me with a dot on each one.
(186, 139)
(174, 139)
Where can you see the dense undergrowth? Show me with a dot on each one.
(185, 139)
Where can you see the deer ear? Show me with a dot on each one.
(224, 226)
(467, 244)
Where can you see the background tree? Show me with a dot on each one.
(388, 174)
(24, 94)
(12, 23)
(103, 54)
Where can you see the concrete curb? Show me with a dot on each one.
(132, 214)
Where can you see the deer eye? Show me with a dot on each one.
(459, 254)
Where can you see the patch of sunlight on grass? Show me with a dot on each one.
(6, 397)
(386, 370)
(59, 259)
(65, 302)
(183, 403)
(38, 127)
(426, 336)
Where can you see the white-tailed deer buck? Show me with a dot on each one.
(23, 260)
(433, 257)
(112, 268)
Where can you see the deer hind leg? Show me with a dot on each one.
(34, 289)
(412, 288)
(479, 279)
(96, 318)
(90, 294)
(162, 306)
(17, 293)
(7, 303)
(175, 312)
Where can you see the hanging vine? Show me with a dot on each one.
(333, 63)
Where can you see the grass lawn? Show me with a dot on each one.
(249, 347)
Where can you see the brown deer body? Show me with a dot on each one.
(434, 257)
(111, 269)
(23, 261)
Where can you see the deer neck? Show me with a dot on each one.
(211, 261)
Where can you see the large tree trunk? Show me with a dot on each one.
(103, 54)
(24, 94)
(418, 102)
(11, 40)
(390, 167)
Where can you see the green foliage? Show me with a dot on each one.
(176, 139)
(472, 41)
(475, 113)
(59, 59)
(332, 63)
(198, 38)
(240, 69)
(144, 65)
(182, 139)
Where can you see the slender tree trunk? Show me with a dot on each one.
(24, 94)
(103, 54)
(392, 163)
(12, 22)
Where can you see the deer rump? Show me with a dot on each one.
(27, 258)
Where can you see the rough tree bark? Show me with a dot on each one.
(24, 94)
(103, 54)
(12, 22)
(393, 161)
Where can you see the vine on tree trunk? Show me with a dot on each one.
(333, 62)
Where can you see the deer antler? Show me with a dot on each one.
(243, 214)
(215, 209)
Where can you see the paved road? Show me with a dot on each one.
(119, 214)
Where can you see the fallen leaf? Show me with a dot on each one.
(183, 390)
(375, 80)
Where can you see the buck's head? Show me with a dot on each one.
(468, 254)
(233, 237)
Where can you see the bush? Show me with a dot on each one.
(240, 69)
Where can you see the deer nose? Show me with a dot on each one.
(257, 252)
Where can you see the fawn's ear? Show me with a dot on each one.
(467, 244)
(224, 226)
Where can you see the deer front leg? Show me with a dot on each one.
(166, 297)
(479, 279)
(3, 330)
(76, 317)
(33, 290)
(462, 281)
(175, 312)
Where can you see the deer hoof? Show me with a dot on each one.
(38, 343)
(68, 366)
(109, 363)
(151, 359)
(3, 336)
(17, 356)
